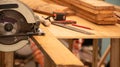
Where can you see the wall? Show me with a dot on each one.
(104, 44)
(117, 2)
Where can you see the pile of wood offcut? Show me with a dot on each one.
(95, 11)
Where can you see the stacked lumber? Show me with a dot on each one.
(46, 8)
(117, 8)
(95, 11)
(117, 15)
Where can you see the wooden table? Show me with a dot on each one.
(100, 31)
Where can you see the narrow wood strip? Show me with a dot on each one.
(115, 53)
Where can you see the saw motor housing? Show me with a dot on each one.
(17, 23)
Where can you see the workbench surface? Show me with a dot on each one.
(100, 31)
(56, 54)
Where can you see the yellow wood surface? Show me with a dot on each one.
(100, 31)
(115, 53)
(2, 59)
(9, 59)
(95, 11)
(56, 51)
(44, 7)
(97, 4)
(58, 54)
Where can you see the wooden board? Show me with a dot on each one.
(90, 5)
(95, 11)
(101, 22)
(100, 31)
(115, 53)
(6, 59)
(96, 4)
(117, 15)
(9, 59)
(46, 8)
(2, 59)
(57, 55)
(95, 53)
(117, 8)
(118, 21)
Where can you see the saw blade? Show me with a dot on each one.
(11, 32)
(13, 47)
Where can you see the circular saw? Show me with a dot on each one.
(17, 23)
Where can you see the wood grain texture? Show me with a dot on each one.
(2, 59)
(46, 8)
(95, 53)
(57, 54)
(95, 11)
(117, 8)
(115, 53)
(117, 15)
(101, 31)
(9, 59)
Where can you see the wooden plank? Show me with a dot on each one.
(98, 5)
(95, 52)
(117, 8)
(46, 8)
(101, 17)
(101, 31)
(61, 2)
(92, 6)
(57, 54)
(6, 59)
(115, 53)
(2, 58)
(98, 12)
(9, 59)
(101, 21)
(117, 15)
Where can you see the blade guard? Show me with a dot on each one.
(7, 44)
(20, 7)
